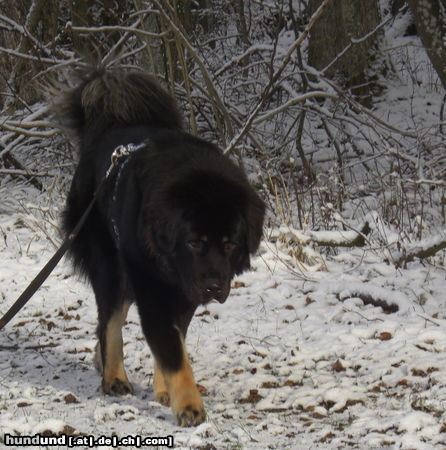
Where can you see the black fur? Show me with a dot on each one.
(172, 228)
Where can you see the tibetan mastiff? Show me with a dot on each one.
(171, 226)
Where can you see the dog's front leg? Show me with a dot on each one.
(174, 381)
(165, 315)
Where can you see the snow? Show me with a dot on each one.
(335, 350)
(285, 362)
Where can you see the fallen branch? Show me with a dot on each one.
(326, 238)
(16, 166)
(25, 173)
(367, 299)
(420, 250)
(389, 300)
(431, 182)
(9, 347)
(22, 129)
(28, 347)
(340, 238)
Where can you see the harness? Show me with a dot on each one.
(120, 152)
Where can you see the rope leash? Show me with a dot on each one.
(119, 152)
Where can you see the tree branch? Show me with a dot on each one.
(420, 250)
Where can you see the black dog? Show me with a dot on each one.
(175, 221)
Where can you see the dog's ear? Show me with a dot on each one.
(255, 213)
(252, 226)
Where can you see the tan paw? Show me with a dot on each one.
(187, 406)
(117, 387)
(190, 415)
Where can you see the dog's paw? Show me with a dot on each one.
(163, 398)
(190, 416)
(117, 387)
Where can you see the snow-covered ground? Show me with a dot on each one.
(295, 359)
(292, 360)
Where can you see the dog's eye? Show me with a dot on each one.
(229, 246)
(195, 245)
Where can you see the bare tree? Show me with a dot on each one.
(26, 28)
(430, 20)
(341, 41)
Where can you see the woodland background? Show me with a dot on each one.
(287, 87)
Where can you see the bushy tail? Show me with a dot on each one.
(114, 97)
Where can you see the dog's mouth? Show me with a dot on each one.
(219, 298)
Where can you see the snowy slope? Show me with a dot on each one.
(291, 360)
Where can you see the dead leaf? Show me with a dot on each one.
(338, 367)
(385, 336)
(70, 398)
(253, 397)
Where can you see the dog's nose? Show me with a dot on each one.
(213, 290)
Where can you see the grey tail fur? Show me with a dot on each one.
(114, 97)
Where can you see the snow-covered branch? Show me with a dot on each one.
(419, 250)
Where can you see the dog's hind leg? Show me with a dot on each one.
(159, 386)
(108, 282)
(109, 356)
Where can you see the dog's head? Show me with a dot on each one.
(203, 229)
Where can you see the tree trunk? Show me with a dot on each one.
(87, 13)
(430, 20)
(332, 46)
(152, 59)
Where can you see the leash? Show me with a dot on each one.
(119, 152)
